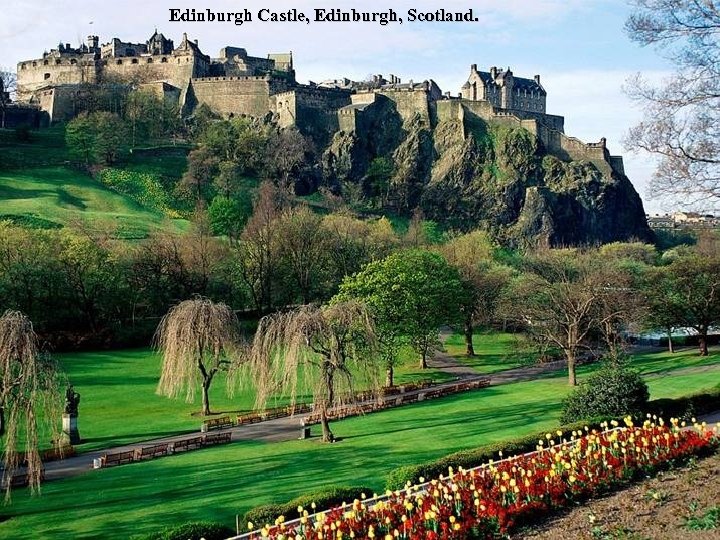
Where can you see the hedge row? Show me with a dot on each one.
(200, 530)
(684, 407)
(326, 498)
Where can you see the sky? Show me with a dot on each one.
(579, 48)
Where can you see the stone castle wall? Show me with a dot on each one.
(236, 96)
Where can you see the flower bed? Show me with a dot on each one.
(481, 502)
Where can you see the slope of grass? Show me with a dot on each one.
(64, 196)
(216, 484)
(494, 351)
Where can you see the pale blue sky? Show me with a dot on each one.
(577, 46)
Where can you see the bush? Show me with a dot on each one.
(323, 499)
(686, 407)
(192, 531)
(613, 391)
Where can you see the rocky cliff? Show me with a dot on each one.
(466, 172)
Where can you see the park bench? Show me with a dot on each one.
(222, 422)
(217, 438)
(187, 444)
(108, 460)
(150, 452)
(249, 418)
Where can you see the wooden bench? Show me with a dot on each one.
(217, 438)
(108, 460)
(184, 445)
(249, 418)
(150, 452)
(217, 423)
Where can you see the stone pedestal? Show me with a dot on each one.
(70, 433)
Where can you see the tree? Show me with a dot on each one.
(150, 117)
(329, 346)
(229, 215)
(472, 255)
(682, 114)
(8, 87)
(98, 137)
(29, 394)
(286, 151)
(301, 244)
(696, 283)
(410, 294)
(196, 339)
(664, 305)
(563, 299)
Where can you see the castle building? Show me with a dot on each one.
(505, 91)
(237, 84)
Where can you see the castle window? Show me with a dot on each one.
(22, 66)
(58, 62)
(47, 76)
(34, 64)
(73, 62)
(164, 60)
(149, 61)
(134, 61)
(45, 62)
(119, 62)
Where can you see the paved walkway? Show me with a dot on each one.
(288, 428)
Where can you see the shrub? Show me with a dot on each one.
(192, 531)
(612, 391)
(326, 498)
(687, 406)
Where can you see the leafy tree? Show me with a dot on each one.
(377, 179)
(150, 117)
(664, 304)
(285, 153)
(329, 346)
(302, 245)
(196, 339)
(483, 280)
(682, 113)
(197, 182)
(410, 294)
(29, 394)
(96, 138)
(228, 216)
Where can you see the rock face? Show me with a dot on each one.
(466, 173)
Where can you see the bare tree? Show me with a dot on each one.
(29, 394)
(285, 152)
(682, 114)
(8, 87)
(324, 348)
(197, 339)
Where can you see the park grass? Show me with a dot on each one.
(119, 404)
(495, 351)
(65, 196)
(216, 484)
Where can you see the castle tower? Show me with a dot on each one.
(506, 90)
(93, 43)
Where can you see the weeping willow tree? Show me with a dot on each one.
(30, 400)
(197, 339)
(327, 349)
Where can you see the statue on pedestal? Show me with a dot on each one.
(71, 435)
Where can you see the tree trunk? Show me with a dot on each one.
(423, 360)
(205, 395)
(2, 421)
(389, 376)
(671, 348)
(572, 377)
(702, 342)
(470, 350)
(327, 434)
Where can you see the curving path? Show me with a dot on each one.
(288, 428)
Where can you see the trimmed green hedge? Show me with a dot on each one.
(684, 407)
(326, 498)
(192, 531)
(398, 478)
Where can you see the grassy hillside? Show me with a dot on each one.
(38, 187)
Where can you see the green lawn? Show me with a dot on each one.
(63, 195)
(495, 351)
(119, 405)
(215, 484)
